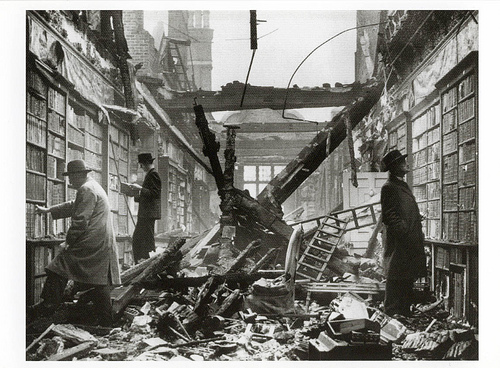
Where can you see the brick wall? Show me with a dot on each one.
(140, 42)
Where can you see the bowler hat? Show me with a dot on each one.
(76, 166)
(391, 158)
(145, 158)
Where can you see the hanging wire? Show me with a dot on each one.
(246, 80)
(317, 47)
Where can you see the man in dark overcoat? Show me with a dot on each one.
(89, 256)
(404, 249)
(149, 198)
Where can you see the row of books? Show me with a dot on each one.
(55, 167)
(450, 142)
(466, 87)
(75, 135)
(450, 226)
(35, 81)
(466, 110)
(467, 152)
(467, 198)
(449, 121)
(84, 122)
(93, 160)
(36, 131)
(57, 123)
(35, 186)
(426, 121)
(35, 158)
(55, 193)
(467, 130)
(92, 143)
(36, 106)
(467, 174)
(56, 146)
(467, 226)
(35, 223)
(433, 190)
(450, 197)
(56, 101)
(449, 99)
(450, 165)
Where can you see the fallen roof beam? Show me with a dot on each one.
(257, 97)
(311, 156)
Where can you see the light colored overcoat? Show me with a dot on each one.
(91, 256)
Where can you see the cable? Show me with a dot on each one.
(317, 47)
(246, 80)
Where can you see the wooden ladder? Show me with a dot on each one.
(320, 249)
(331, 228)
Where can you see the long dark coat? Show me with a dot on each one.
(405, 239)
(91, 255)
(150, 198)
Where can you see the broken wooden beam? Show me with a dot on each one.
(233, 265)
(264, 260)
(40, 337)
(344, 287)
(308, 160)
(74, 352)
(164, 260)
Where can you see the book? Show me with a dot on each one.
(128, 190)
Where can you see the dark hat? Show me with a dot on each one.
(391, 158)
(76, 166)
(145, 158)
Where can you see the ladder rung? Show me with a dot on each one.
(327, 251)
(325, 241)
(336, 219)
(306, 276)
(326, 232)
(314, 257)
(313, 267)
(334, 226)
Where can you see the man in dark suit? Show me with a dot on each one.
(143, 240)
(405, 240)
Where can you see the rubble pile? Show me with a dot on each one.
(168, 312)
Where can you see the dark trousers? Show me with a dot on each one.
(398, 296)
(143, 240)
(53, 295)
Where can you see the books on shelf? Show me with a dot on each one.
(93, 160)
(35, 223)
(35, 187)
(450, 99)
(56, 101)
(36, 131)
(57, 123)
(449, 121)
(466, 87)
(74, 154)
(56, 146)
(35, 81)
(36, 105)
(35, 158)
(450, 142)
(450, 197)
(466, 109)
(55, 193)
(92, 143)
(75, 135)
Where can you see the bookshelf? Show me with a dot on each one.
(426, 169)
(118, 172)
(459, 133)
(45, 154)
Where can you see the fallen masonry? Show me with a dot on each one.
(173, 313)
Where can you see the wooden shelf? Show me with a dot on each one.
(56, 133)
(36, 116)
(36, 172)
(467, 162)
(75, 145)
(36, 201)
(57, 180)
(466, 186)
(467, 141)
(33, 91)
(53, 155)
(57, 112)
(466, 120)
(450, 153)
(471, 94)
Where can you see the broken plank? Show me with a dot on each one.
(74, 352)
(40, 337)
(233, 265)
(121, 297)
(228, 303)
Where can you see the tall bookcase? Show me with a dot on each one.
(426, 169)
(459, 150)
(45, 154)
